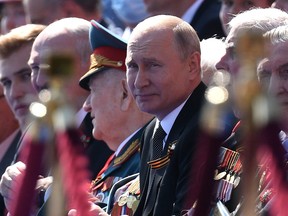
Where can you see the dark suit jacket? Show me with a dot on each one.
(5, 162)
(206, 21)
(172, 180)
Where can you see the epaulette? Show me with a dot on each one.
(134, 147)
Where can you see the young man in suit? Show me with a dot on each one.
(164, 76)
(15, 78)
(203, 15)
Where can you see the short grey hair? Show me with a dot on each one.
(258, 20)
(186, 39)
(277, 35)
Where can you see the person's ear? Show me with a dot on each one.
(194, 64)
(126, 98)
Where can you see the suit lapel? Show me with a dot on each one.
(190, 110)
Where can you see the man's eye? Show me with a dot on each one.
(155, 65)
(283, 73)
(131, 66)
(6, 83)
(26, 76)
(264, 76)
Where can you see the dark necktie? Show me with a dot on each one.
(158, 142)
(158, 138)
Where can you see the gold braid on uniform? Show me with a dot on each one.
(98, 61)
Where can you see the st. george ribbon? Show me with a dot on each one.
(54, 137)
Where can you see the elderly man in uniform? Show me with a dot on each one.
(116, 118)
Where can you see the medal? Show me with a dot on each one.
(232, 178)
(236, 181)
(100, 196)
(228, 177)
(130, 200)
(135, 205)
(122, 200)
(220, 175)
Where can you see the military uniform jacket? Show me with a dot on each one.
(125, 164)
(173, 178)
(230, 149)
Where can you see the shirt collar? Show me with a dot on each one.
(168, 121)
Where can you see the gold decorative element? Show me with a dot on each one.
(122, 200)
(135, 205)
(98, 61)
(130, 200)
(127, 154)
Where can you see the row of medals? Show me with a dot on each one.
(227, 181)
(130, 198)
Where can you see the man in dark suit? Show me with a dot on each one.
(202, 15)
(17, 90)
(163, 74)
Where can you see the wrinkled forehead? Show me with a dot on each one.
(277, 53)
